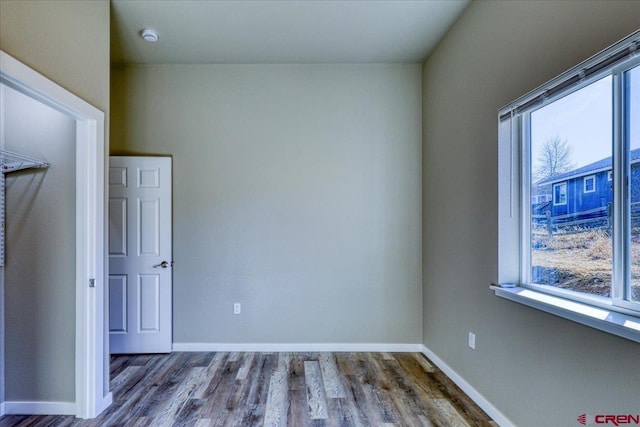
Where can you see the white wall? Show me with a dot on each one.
(538, 369)
(39, 272)
(296, 193)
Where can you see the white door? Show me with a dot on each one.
(140, 256)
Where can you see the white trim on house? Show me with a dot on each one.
(564, 177)
(474, 394)
(553, 193)
(584, 184)
(90, 355)
(304, 347)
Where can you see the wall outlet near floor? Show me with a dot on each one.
(472, 341)
(236, 308)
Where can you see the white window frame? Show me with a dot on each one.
(553, 193)
(617, 315)
(584, 183)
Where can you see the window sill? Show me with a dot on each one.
(615, 323)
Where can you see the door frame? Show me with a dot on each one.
(92, 393)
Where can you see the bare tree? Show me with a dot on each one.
(554, 158)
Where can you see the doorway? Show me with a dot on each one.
(140, 255)
(91, 350)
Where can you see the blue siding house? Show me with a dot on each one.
(584, 193)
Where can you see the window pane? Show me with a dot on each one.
(590, 184)
(632, 135)
(560, 193)
(570, 145)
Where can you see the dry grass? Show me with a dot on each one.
(580, 261)
(586, 252)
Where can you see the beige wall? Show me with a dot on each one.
(296, 193)
(539, 370)
(68, 42)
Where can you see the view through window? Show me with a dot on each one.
(571, 158)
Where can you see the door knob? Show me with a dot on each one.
(163, 264)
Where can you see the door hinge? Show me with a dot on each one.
(92, 283)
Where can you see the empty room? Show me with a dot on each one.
(319, 213)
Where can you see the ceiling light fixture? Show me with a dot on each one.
(149, 35)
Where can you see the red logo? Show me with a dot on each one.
(585, 419)
(616, 420)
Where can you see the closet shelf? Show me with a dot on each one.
(11, 162)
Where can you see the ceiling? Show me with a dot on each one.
(280, 32)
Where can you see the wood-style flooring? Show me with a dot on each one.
(277, 389)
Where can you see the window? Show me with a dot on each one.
(589, 184)
(565, 137)
(568, 137)
(560, 194)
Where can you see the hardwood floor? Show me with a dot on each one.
(277, 389)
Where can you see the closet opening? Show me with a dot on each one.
(54, 269)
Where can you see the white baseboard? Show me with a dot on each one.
(308, 347)
(49, 408)
(39, 408)
(479, 399)
(104, 403)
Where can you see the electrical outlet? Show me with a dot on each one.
(472, 341)
(236, 308)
